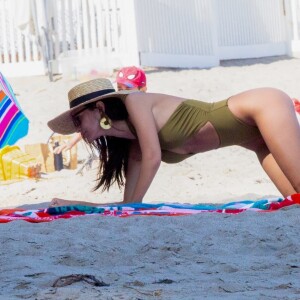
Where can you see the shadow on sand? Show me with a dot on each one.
(226, 63)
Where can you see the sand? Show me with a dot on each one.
(211, 256)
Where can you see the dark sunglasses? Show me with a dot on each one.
(75, 116)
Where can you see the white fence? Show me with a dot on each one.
(91, 33)
(176, 33)
(293, 11)
(34, 33)
(195, 33)
(19, 52)
(90, 24)
(254, 29)
(37, 34)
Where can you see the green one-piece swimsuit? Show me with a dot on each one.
(190, 116)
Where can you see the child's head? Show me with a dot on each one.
(131, 78)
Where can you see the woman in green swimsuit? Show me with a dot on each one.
(135, 131)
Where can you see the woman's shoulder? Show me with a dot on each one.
(153, 97)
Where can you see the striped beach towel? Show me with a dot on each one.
(144, 209)
(13, 123)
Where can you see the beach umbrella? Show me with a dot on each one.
(13, 123)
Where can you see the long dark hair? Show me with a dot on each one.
(113, 151)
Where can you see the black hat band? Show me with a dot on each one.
(87, 97)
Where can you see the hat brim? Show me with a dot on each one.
(63, 123)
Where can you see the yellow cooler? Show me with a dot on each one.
(15, 164)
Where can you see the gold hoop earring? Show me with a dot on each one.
(105, 123)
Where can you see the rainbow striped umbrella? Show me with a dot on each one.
(13, 123)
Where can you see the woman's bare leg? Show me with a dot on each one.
(271, 167)
(272, 111)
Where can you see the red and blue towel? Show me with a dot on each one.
(143, 209)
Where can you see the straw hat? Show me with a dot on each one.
(80, 95)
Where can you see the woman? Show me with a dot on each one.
(135, 131)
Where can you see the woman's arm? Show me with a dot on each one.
(64, 202)
(142, 118)
(133, 170)
(70, 144)
(132, 174)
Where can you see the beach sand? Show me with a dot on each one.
(211, 256)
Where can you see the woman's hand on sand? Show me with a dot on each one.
(59, 202)
(55, 202)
